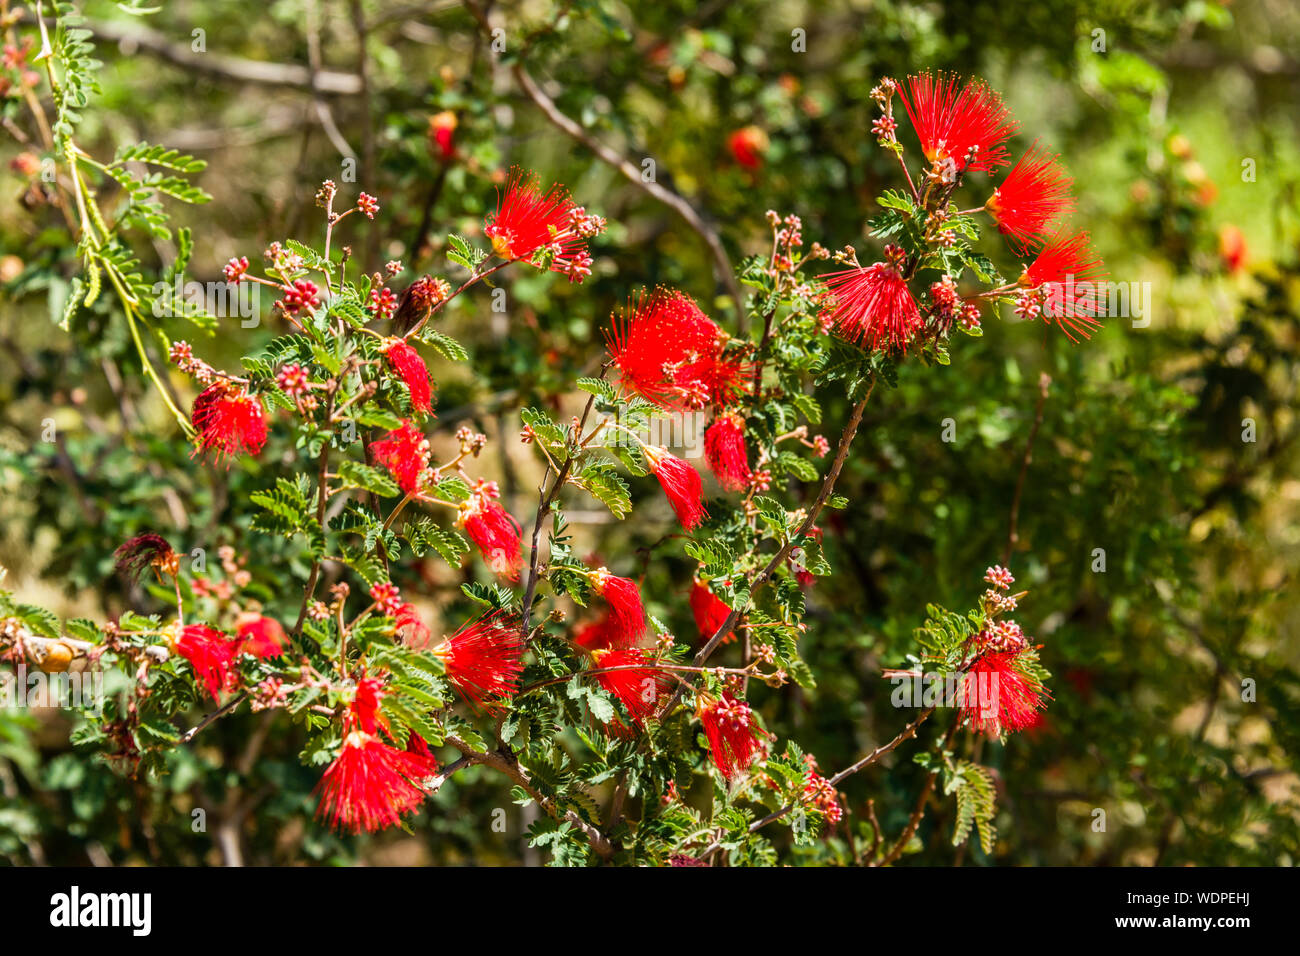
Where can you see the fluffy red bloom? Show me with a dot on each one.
(405, 453)
(413, 631)
(747, 146)
(681, 483)
(627, 621)
(363, 711)
(997, 696)
(724, 450)
(410, 368)
(369, 786)
(670, 352)
(735, 738)
(420, 759)
(497, 535)
(598, 634)
(229, 421)
(527, 220)
(211, 655)
(1035, 193)
(709, 611)
(951, 118)
(262, 637)
(873, 307)
(1071, 281)
(483, 658)
(639, 687)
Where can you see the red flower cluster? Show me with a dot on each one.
(262, 637)
(371, 784)
(672, 354)
(953, 119)
(724, 450)
(442, 129)
(682, 485)
(1035, 193)
(627, 621)
(405, 453)
(229, 421)
(998, 694)
(1066, 282)
(638, 686)
(483, 659)
(211, 656)
(497, 535)
(147, 550)
(873, 307)
(528, 221)
(710, 611)
(410, 368)
(735, 738)
(747, 145)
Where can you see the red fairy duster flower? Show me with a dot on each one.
(1035, 193)
(363, 712)
(670, 352)
(405, 453)
(410, 368)
(528, 220)
(735, 738)
(497, 535)
(410, 628)
(420, 760)
(709, 611)
(482, 658)
(600, 634)
(369, 786)
(952, 118)
(148, 550)
(638, 687)
(873, 307)
(262, 637)
(997, 695)
(211, 655)
(681, 483)
(626, 612)
(724, 450)
(1069, 280)
(229, 421)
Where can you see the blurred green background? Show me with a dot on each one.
(1179, 123)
